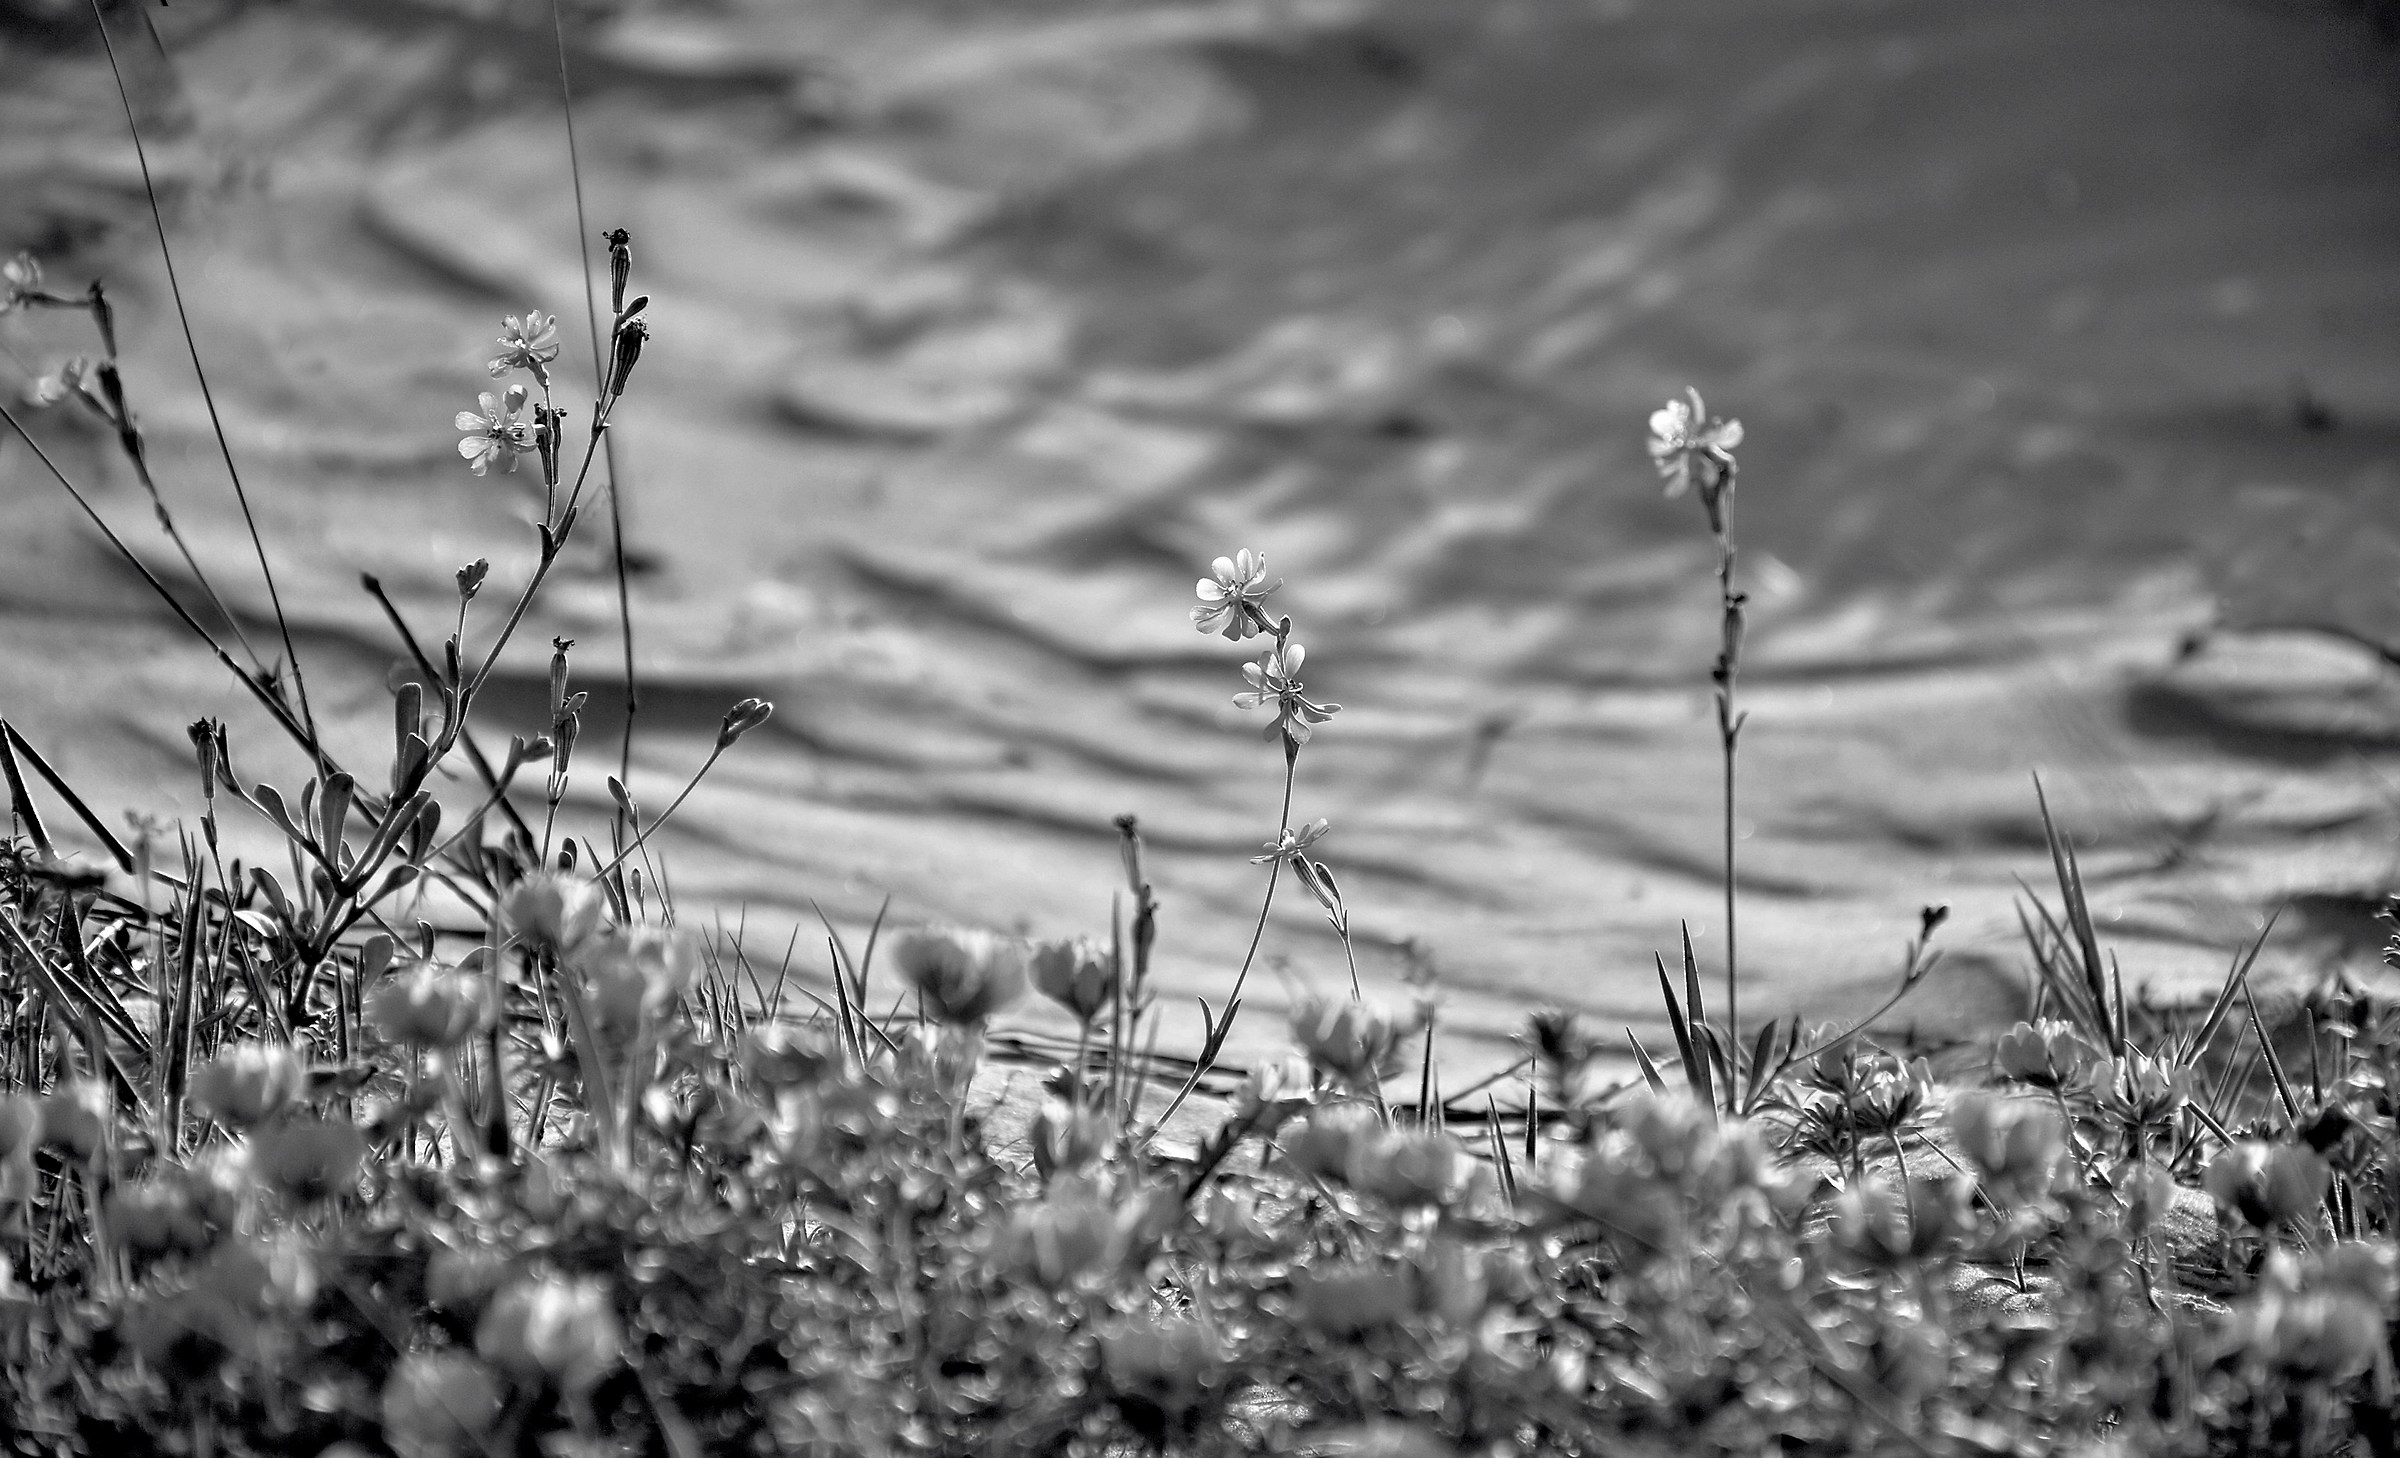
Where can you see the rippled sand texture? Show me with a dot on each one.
(2064, 331)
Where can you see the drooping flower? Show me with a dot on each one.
(528, 342)
(965, 974)
(1691, 449)
(1294, 844)
(1275, 679)
(497, 434)
(1229, 601)
(1078, 974)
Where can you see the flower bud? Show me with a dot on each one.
(965, 974)
(249, 1083)
(741, 719)
(470, 578)
(1079, 975)
(630, 340)
(440, 1404)
(554, 1329)
(620, 267)
(439, 1007)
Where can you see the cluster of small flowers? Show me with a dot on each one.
(1232, 606)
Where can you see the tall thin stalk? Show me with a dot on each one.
(1691, 450)
(207, 396)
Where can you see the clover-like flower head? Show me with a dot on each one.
(1229, 601)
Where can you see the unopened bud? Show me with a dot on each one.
(741, 719)
(620, 266)
(630, 340)
(207, 734)
(470, 578)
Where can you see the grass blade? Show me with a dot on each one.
(1641, 1055)
(66, 792)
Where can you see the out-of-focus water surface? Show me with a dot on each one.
(2064, 332)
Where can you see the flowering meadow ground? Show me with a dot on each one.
(440, 1130)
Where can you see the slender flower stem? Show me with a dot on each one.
(1291, 764)
(1729, 733)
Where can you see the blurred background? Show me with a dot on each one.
(2066, 332)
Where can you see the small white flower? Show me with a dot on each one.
(528, 342)
(1687, 446)
(1275, 679)
(1229, 602)
(20, 282)
(497, 434)
(1294, 844)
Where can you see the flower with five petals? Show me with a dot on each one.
(528, 342)
(1229, 601)
(1275, 679)
(1690, 448)
(497, 434)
